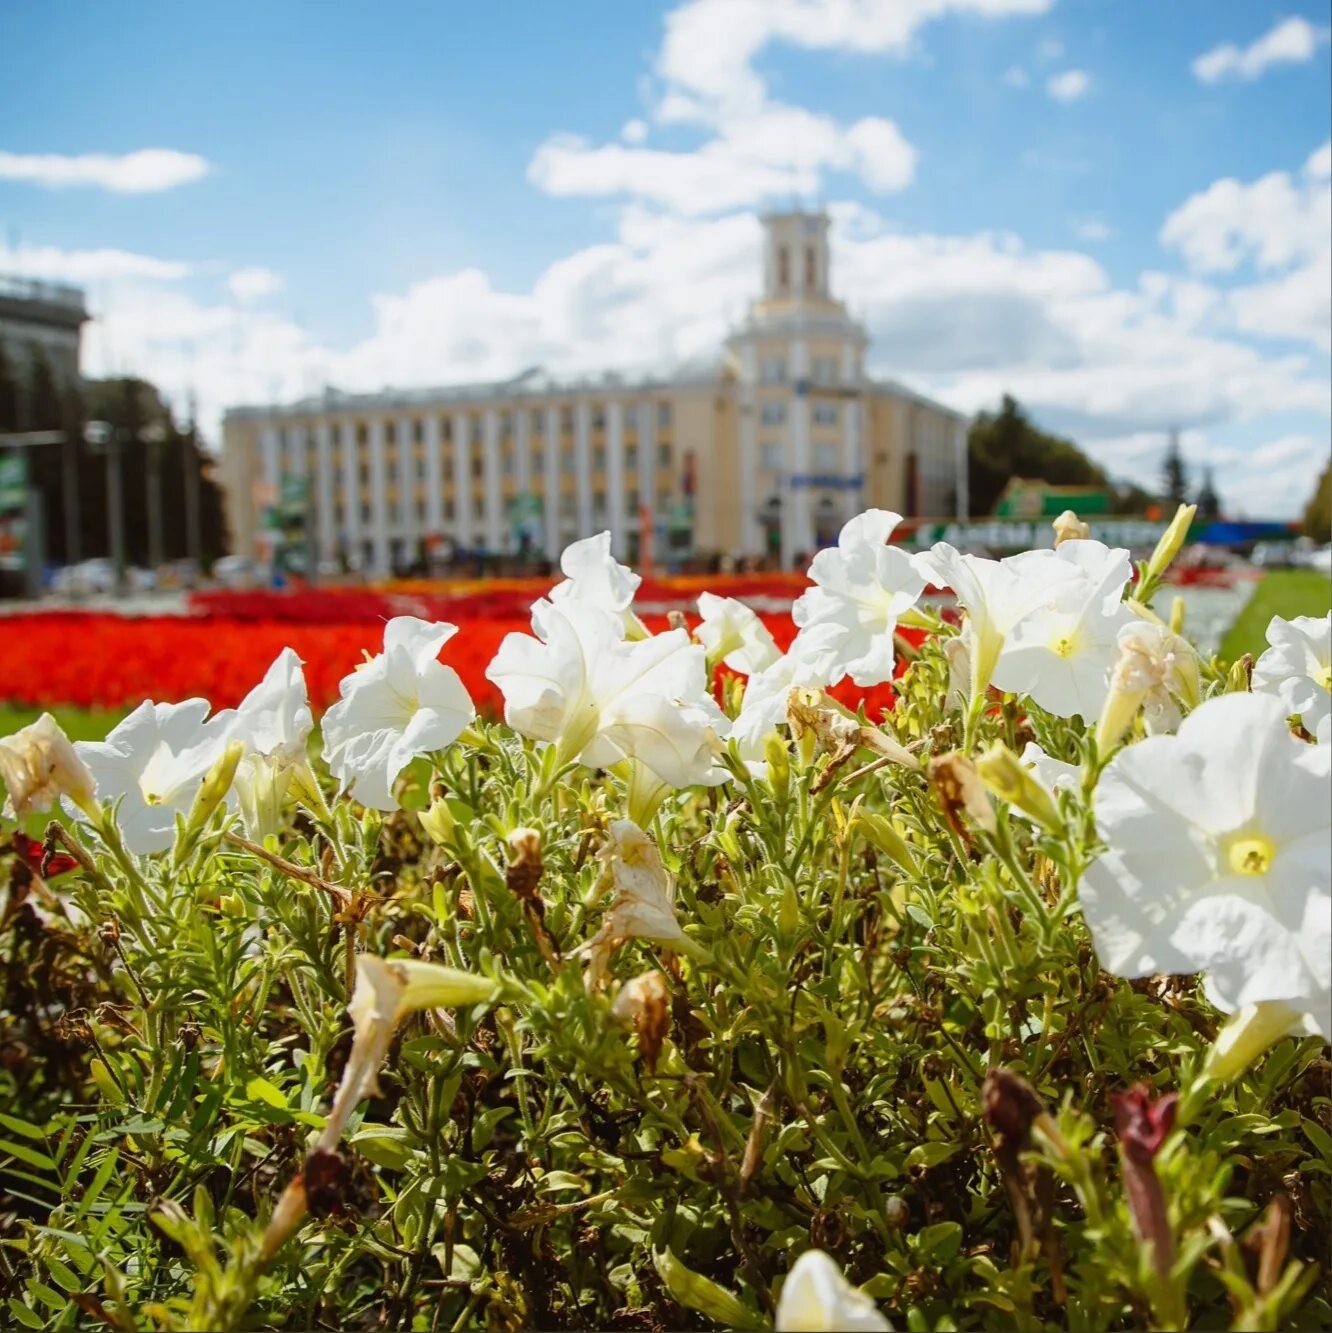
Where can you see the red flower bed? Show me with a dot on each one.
(90, 660)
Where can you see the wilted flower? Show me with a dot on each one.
(386, 991)
(39, 763)
(642, 906)
(733, 634)
(644, 1004)
(1219, 859)
(1069, 527)
(400, 704)
(1155, 670)
(863, 586)
(600, 699)
(959, 788)
(153, 763)
(816, 1297)
(1297, 668)
(807, 664)
(1143, 1125)
(1060, 653)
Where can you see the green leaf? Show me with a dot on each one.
(931, 1154)
(25, 1154)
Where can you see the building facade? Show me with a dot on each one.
(762, 455)
(39, 321)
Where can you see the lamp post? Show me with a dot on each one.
(103, 436)
(154, 436)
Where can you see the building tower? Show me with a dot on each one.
(798, 359)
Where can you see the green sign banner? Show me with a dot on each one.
(13, 511)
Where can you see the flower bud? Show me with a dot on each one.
(696, 1292)
(1168, 547)
(1007, 777)
(882, 832)
(438, 821)
(644, 1004)
(815, 1296)
(778, 760)
(1248, 1033)
(1143, 1126)
(216, 784)
(1068, 527)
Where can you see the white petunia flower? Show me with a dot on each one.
(153, 763)
(1219, 859)
(601, 699)
(1297, 668)
(39, 763)
(1053, 774)
(593, 577)
(863, 586)
(400, 704)
(995, 594)
(274, 723)
(733, 634)
(807, 664)
(1060, 653)
(816, 1298)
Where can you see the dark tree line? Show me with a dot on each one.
(130, 405)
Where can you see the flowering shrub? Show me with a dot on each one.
(686, 996)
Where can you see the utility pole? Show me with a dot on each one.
(152, 437)
(69, 489)
(101, 435)
(193, 468)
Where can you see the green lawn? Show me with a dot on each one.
(80, 724)
(1283, 592)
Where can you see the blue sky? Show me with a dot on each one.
(1118, 211)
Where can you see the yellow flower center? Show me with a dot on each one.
(1066, 644)
(1250, 855)
(1324, 678)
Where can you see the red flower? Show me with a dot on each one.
(32, 854)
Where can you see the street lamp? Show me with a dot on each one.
(103, 436)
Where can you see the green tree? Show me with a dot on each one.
(1208, 501)
(1006, 444)
(1318, 512)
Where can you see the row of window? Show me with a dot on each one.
(506, 421)
(774, 413)
(825, 458)
(508, 465)
(568, 508)
(822, 370)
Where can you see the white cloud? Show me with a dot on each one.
(253, 283)
(1292, 41)
(1069, 86)
(779, 151)
(143, 172)
(634, 131)
(1093, 229)
(1049, 50)
(77, 266)
(1016, 77)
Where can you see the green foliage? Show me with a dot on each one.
(1318, 512)
(1282, 592)
(174, 1029)
(1174, 473)
(1006, 444)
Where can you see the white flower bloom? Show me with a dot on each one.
(38, 763)
(995, 594)
(1219, 859)
(154, 763)
(274, 723)
(1297, 668)
(733, 634)
(401, 704)
(816, 1298)
(1061, 652)
(1053, 774)
(602, 699)
(807, 664)
(593, 577)
(1250, 1031)
(863, 586)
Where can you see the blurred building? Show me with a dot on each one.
(764, 452)
(40, 325)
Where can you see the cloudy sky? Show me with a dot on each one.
(1119, 212)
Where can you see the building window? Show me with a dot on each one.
(478, 510)
(566, 419)
(418, 431)
(825, 414)
(631, 457)
(598, 460)
(825, 458)
(824, 370)
(663, 455)
(773, 413)
(538, 421)
(664, 415)
(811, 269)
(631, 421)
(783, 269)
(365, 515)
(478, 466)
(773, 369)
(505, 426)
(538, 462)
(506, 459)
(365, 473)
(634, 504)
(360, 432)
(566, 461)
(476, 431)
(770, 456)
(598, 420)
(446, 429)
